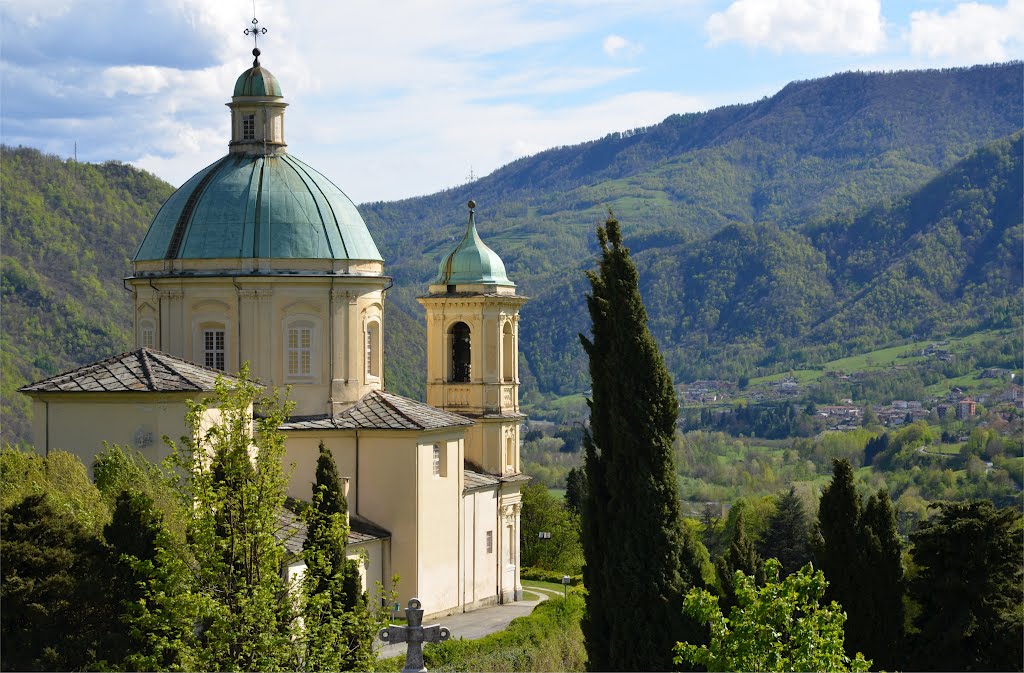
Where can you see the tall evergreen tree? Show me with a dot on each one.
(787, 537)
(640, 558)
(575, 489)
(969, 589)
(742, 555)
(858, 549)
(339, 630)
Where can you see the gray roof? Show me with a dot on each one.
(379, 410)
(291, 529)
(140, 370)
(473, 480)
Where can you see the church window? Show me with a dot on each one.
(300, 351)
(249, 127)
(460, 349)
(373, 349)
(489, 538)
(508, 354)
(213, 348)
(147, 334)
(440, 461)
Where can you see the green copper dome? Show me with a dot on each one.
(266, 206)
(257, 81)
(472, 262)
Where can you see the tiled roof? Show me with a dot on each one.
(473, 480)
(141, 370)
(291, 529)
(379, 410)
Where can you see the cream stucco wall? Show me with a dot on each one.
(80, 422)
(481, 516)
(255, 312)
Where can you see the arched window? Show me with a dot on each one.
(508, 354)
(459, 334)
(373, 349)
(147, 333)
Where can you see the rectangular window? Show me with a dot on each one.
(300, 351)
(490, 541)
(147, 337)
(437, 460)
(248, 127)
(213, 348)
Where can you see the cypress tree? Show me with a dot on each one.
(858, 549)
(339, 630)
(742, 555)
(640, 559)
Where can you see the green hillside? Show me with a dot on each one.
(817, 150)
(69, 231)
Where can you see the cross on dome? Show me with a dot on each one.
(255, 31)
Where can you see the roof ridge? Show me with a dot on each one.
(381, 394)
(144, 361)
(176, 371)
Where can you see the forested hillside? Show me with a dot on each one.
(69, 231)
(837, 215)
(816, 151)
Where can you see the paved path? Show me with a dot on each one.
(477, 624)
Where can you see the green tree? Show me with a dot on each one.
(787, 537)
(634, 610)
(742, 556)
(575, 489)
(858, 550)
(57, 612)
(233, 487)
(339, 630)
(542, 512)
(781, 626)
(968, 588)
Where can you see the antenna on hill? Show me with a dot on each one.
(472, 176)
(76, 151)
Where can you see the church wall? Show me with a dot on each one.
(371, 558)
(80, 423)
(302, 450)
(256, 313)
(481, 516)
(438, 515)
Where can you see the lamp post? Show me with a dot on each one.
(565, 586)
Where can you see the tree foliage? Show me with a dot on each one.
(780, 626)
(968, 589)
(542, 512)
(787, 536)
(339, 629)
(634, 595)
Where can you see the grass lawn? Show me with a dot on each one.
(537, 584)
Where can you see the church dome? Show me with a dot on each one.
(267, 206)
(472, 262)
(257, 81)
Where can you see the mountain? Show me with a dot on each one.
(816, 150)
(840, 213)
(69, 232)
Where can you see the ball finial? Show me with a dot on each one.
(472, 204)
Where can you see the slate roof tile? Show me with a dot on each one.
(379, 410)
(140, 370)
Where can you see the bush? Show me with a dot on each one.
(541, 575)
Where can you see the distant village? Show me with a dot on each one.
(720, 395)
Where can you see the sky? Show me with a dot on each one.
(402, 98)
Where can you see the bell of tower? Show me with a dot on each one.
(473, 350)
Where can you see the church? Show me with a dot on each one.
(260, 259)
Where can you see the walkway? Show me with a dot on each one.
(479, 623)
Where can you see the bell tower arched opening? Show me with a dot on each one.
(461, 352)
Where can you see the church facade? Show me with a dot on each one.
(260, 259)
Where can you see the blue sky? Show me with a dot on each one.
(402, 98)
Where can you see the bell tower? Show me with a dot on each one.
(473, 350)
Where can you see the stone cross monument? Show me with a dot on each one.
(415, 635)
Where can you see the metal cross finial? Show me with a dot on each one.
(415, 635)
(255, 31)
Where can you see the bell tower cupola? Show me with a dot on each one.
(473, 349)
(257, 108)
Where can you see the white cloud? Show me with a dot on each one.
(811, 26)
(970, 33)
(613, 44)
